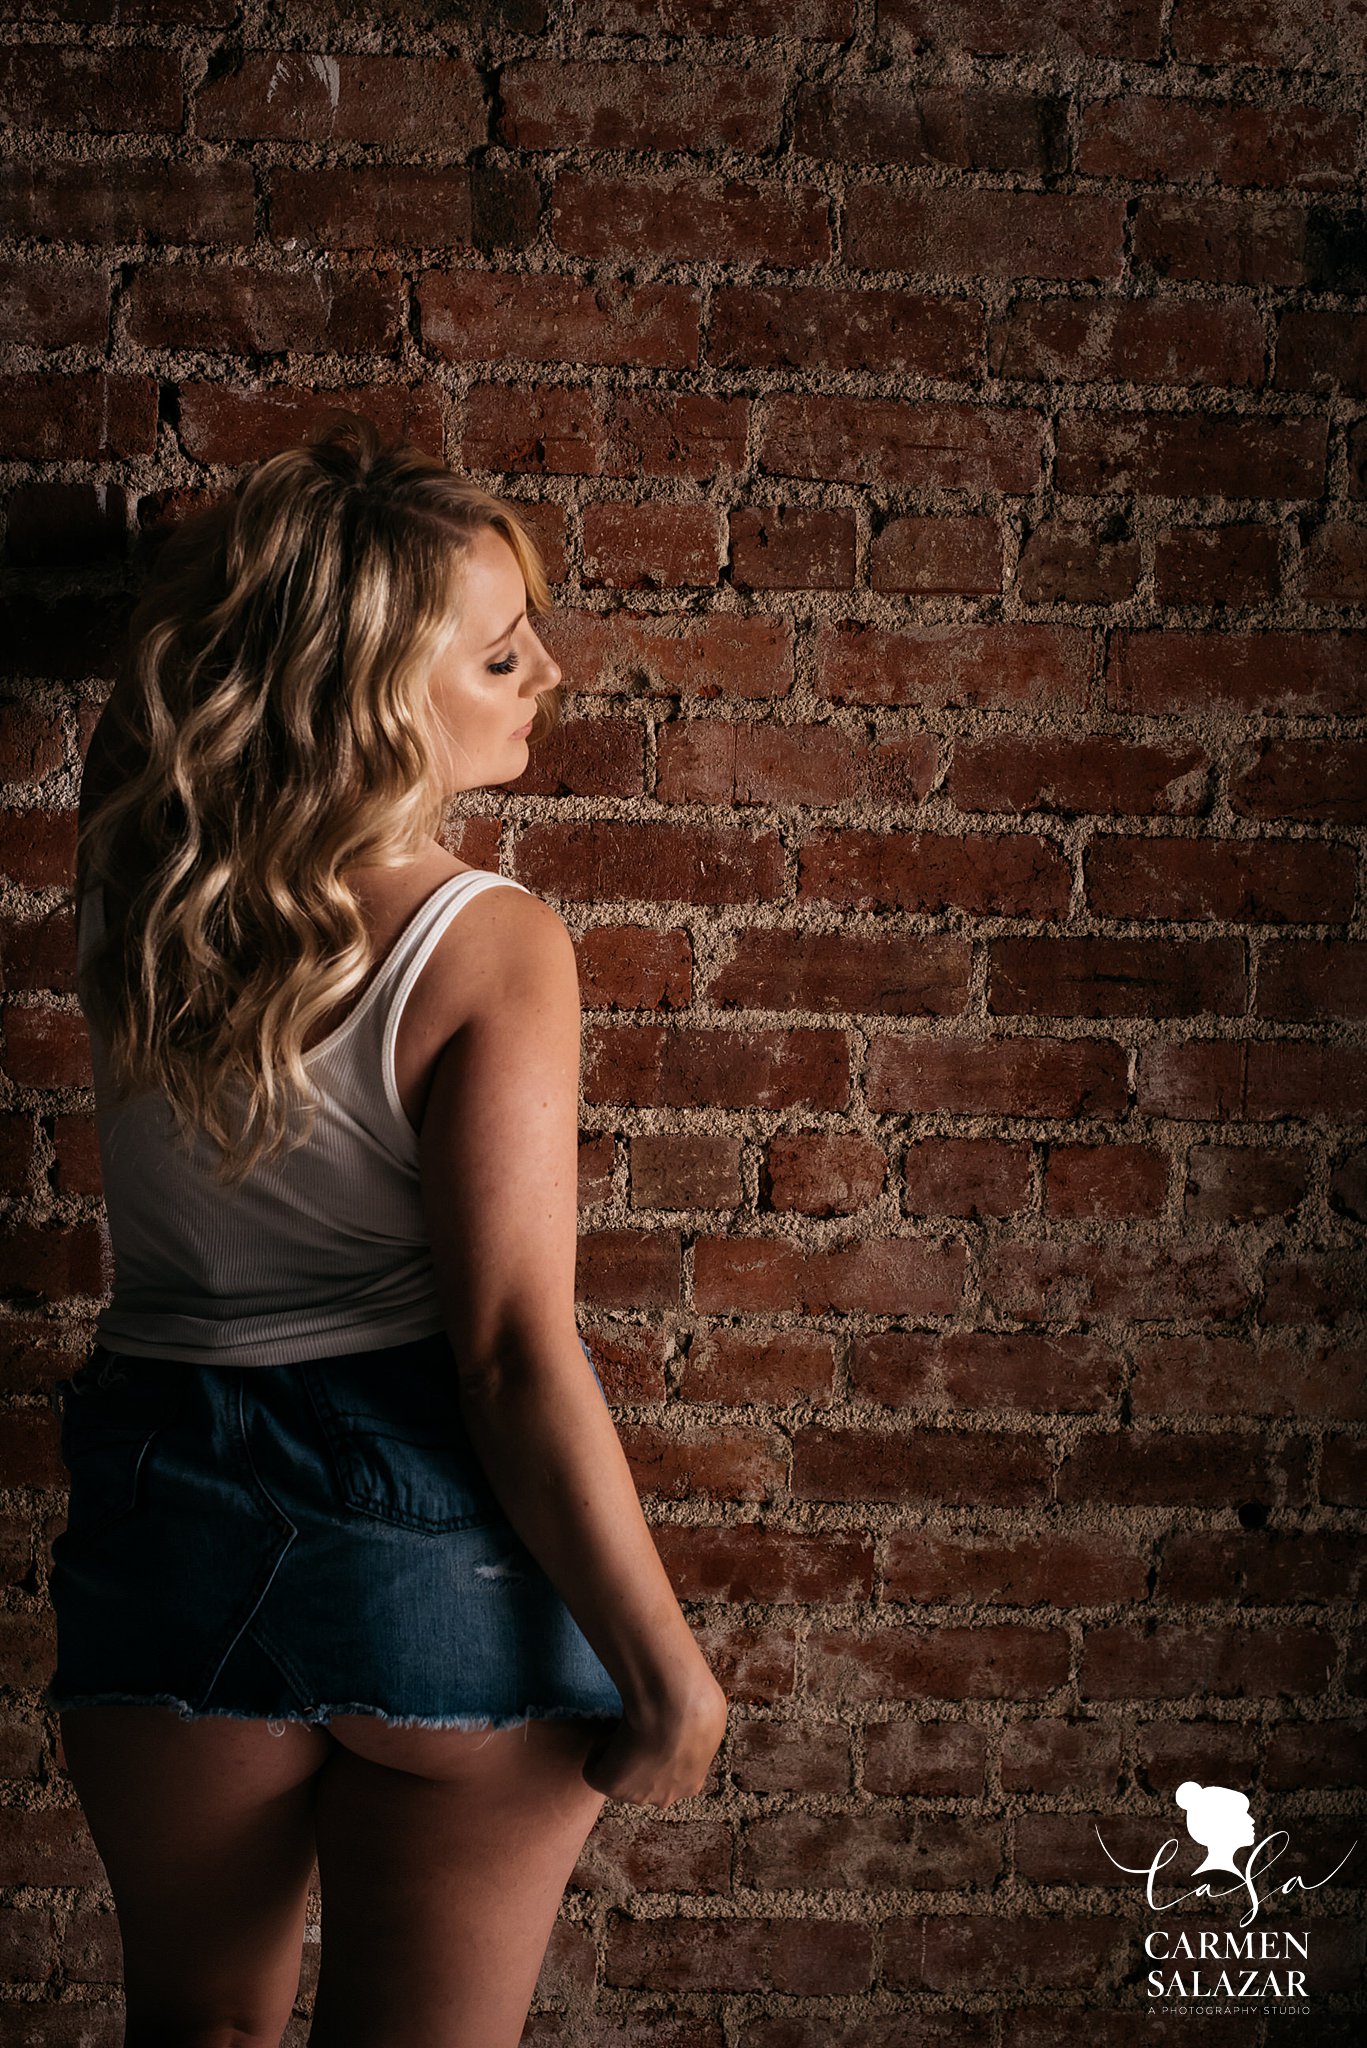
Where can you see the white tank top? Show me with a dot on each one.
(322, 1252)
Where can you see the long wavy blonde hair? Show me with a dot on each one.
(270, 729)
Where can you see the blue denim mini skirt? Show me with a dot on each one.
(289, 1542)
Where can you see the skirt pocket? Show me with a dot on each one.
(396, 1438)
(113, 1411)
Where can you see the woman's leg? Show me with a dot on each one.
(205, 1829)
(443, 1855)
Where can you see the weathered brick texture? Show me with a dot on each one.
(945, 422)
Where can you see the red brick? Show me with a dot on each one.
(1329, 36)
(53, 305)
(629, 1268)
(740, 1366)
(881, 1276)
(808, 327)
(651, 547)
(1343, 1471)
(1315, 1756)
(1267, 1567)
(1054, 28)
(730, 1462)
(984, 1468)
(1128, 341)
(690, 217)
(686, 1170)
(405, 102)
(1178, 1662)
(593, 1170)
(30, 749)
(984, 1369)
(742, 1562)
(76, 637)
(791, 547)
(1191, 455)
(739, 762)
(1116, 1181)
(37, 848)
(55, 1265)
(653, 863)
(76, 416)
(790, 1756)
(622, 1855)
(696, 657)
(109, 91)
(651, 1066)
(1255, 880)
(1120, 977)
(1152, 1468)
(929, 1758)
(818, 21)
(935, 555)
(968, 233)
(633, 968)
(587, 757)
(1020, 874)
(1220, 241)
(76, 1145)
(549, 429)
(963, 127)
(480, 316)
(815, 1958)
(220, 423)
(1225, 1078)
(21, 1745)
(864, 973)
(18, 1152)
(1308, 979)
(965, 1177)
(1235, 564)
(46, 1048)
(1321, 349)
(1056, 1756)
(1021, 1571)
(885, 440)
(1041, 1279)
(1334, 565)
(974, 1953)
(1072, 562)
(869, 1850)
(1316, 781)
(1243, 1183)
(1300, 674)
(48, 1846)
(1314, 1286)
(1002, 1660)
(1199, 139)
(371, 206)
(165, 201)
(1097, 773)
(1169, 1751)
(955, 666)
(251, 311)
(557, 103)
(996, 1077)
(1207, 1375)
(822, 1174)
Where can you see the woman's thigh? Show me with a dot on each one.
(443, 1856)
(205, 1829)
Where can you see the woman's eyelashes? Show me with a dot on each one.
(504, 667)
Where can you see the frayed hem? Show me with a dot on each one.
(318, 1717)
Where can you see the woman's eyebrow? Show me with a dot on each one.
(506, 631)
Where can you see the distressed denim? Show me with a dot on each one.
(296, 1541)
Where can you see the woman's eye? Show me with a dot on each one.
(504, 667)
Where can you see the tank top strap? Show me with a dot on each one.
(414, 947)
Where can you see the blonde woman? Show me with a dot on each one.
(354, 1567)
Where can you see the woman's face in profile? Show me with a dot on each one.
(486, 680)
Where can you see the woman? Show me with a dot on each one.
(354, 1567)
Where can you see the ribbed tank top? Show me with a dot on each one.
(322, 1252)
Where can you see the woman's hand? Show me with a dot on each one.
(651, 1757)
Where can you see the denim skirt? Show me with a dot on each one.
(290, 1542)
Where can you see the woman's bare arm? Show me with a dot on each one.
(498, 1153)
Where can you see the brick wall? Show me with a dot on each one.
(945, 425)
